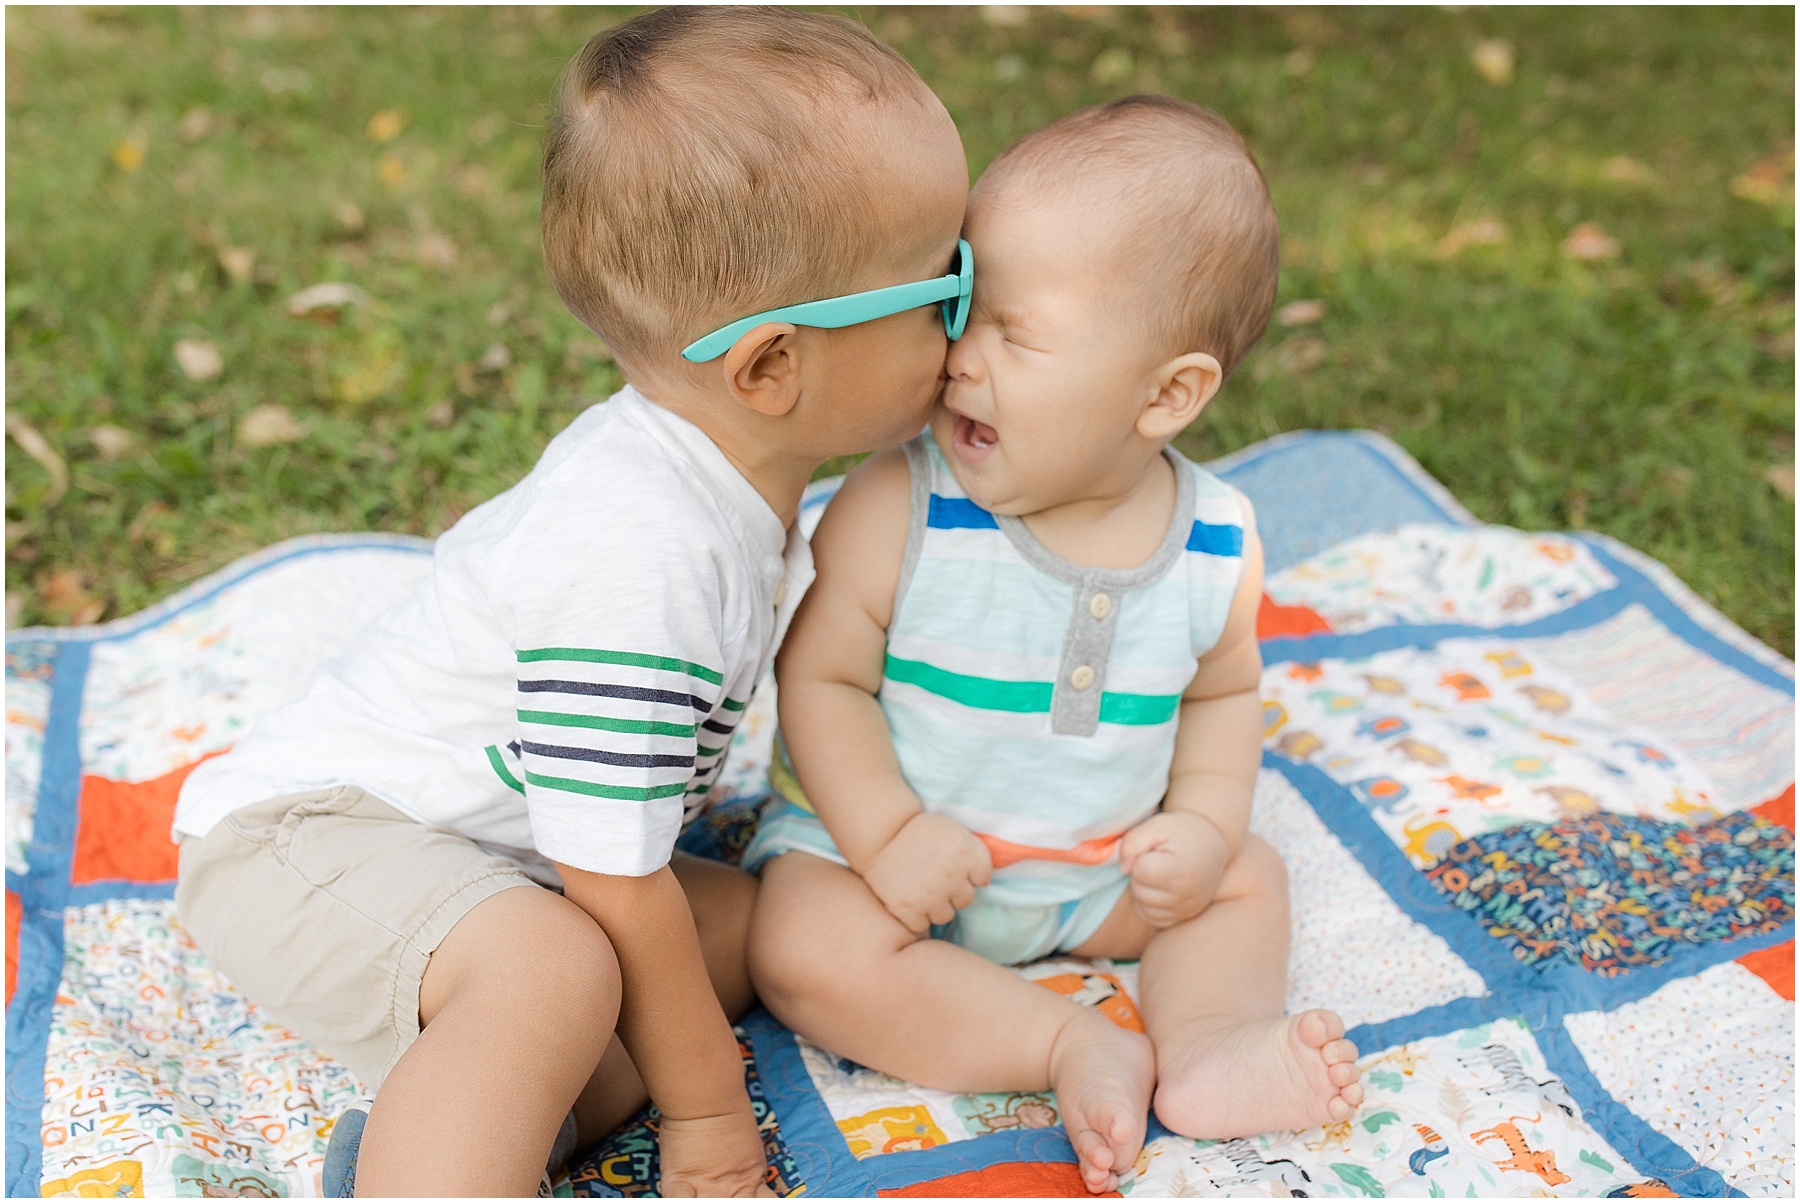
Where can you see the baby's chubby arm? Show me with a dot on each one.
(921, 866)
(1177, 857)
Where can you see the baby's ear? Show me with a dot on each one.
(1180, 389)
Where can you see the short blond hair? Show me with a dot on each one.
(1191, 209)
(701, 164)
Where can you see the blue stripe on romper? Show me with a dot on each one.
(958, 513)
(1214, 540)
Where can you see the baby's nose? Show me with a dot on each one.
(962, 363)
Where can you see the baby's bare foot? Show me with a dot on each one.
(1266, 1075)
(1102, 1075)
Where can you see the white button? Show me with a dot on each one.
(1100, 606)
(780, 593)
(1082, 677)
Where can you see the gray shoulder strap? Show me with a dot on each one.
(918, 465)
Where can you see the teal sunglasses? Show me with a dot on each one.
(833, 313)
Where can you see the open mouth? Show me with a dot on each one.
(975, 441)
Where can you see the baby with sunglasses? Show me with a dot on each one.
(466, 825)
(1020, 702)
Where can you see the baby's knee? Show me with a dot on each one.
(1259, 869)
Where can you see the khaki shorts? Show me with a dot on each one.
(325, 907)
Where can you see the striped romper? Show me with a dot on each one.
(1035, 701)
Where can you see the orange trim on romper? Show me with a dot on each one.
(1088, 852)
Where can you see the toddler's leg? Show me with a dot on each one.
(518, 1003)
(829, 960)
(1228, 1062)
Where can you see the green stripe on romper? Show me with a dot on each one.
(592, 655)
(627, 793)
(983, 693)
(625, 726)
(731, 704)
(499, 765)
(1028, 697)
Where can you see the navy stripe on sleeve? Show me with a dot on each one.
(631, 693)
(614, 758)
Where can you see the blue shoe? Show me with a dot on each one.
(338, 1179)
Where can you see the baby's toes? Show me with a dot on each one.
(1318, 1028)
(1342, 1074)
(1340, 1052)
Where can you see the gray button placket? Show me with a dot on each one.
(1075, 710)
(1088, 640)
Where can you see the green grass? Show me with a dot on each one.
(1648, 394)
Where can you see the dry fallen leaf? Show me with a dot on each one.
(1782, 477)
(349, 215)
(1300, 313)
(195, 124)
(66, 601)
(268, 425)
(1299, 62)
(441, 414)
(1769, 181)
(1482, 232)
(494, 359)
(1589, 243)
(1112, 65)
(1294, 356)
(1623, 169)
(327, 297)
(436, 251)
(238, 262)
(393, 171)
(386, 125)
(1005, 15)
(38, 448)
(1493, 59)
(112, 442)
(129, 154)
(198, 359)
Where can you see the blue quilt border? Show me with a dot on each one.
(43, 895)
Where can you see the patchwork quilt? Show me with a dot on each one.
(1535, 800)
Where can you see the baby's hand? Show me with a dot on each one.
(929, 870)
(1176, 860)
(713, 1157)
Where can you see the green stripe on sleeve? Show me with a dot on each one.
(703, 753)
(591, 655)
(983, 693)
(1138, 709)
(499, 766)
(627, 793)
(625, 726)
(731, 703)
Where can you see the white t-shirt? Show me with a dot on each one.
(565, 681)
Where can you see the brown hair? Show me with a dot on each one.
(704, 163)
(1196, 224)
